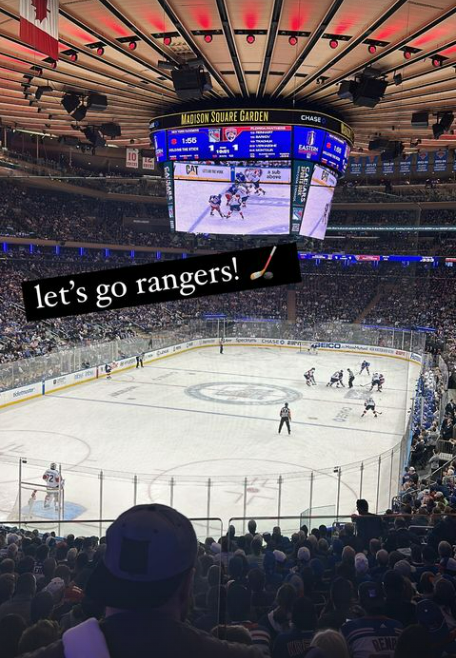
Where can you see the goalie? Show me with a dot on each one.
(54, 484)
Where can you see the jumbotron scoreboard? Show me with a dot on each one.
(251, 171)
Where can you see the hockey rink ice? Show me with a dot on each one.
(201, 415)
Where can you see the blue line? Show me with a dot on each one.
(217, 413)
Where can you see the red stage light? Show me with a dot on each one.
(333, 44)
(132, 45)
(436, 62)
(250, 38)
(208, 38)
(100, 51)
(293, 40)
(372, 49)
(407, 54)
(167, 41)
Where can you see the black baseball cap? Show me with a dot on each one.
(149, 548)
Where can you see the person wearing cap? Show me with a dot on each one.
(373, 634)
(144, 580)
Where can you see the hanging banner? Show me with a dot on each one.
(405, 164)
(370, 165)
(39, 26)
(132, 158)
(148, 163)
(356, 166)
(422, 162)
(388, 167)
(440, 160)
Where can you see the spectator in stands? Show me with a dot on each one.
(145, 581)
(21, 602)
(396, 604)
(331, 643)
(414, 641)
(337, 610)
(11, 629)
(373, 633)
(41, 634)
(296, 641)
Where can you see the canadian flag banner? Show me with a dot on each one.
(39, 25)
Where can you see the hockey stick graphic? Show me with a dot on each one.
(258, 275)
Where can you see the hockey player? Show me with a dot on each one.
(369, 405)
(140, 360)
(285, 417)
(52, 479)
(231, 191)
(235, 205)
(240, 177)
(313, 349)
(221, 344)
(376, 382)
(364, 366)
(351, 378)
(244, 194)
(336, 379)
(108, 371)
(215, 202)
(309, 376)
(255, 179)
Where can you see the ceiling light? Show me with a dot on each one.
(372, 49)
(100, 51)
(437, 61)
(208, 38)
(132, 45)
(293, 40)
(407, 54)
(333, 44)
(250, 38)
(167, 41)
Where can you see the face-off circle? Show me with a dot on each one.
(242, 393)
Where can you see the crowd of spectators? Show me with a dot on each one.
(375, 586)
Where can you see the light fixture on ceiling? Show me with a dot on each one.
(333, 44)
(437, 61)
(293, 40)
(407, 53)
(250, 38)
(132, 45)
(100, 51)
(208, 38)
(372, 49)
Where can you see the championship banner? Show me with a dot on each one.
(370, 164)
(422, 162)
(405, 165)
(440, 160)
(132, 158)
(355, 166)
(39, 25)
(388, 167)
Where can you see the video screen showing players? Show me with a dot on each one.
(315, 215)
(233, 198)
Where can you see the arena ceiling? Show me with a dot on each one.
(289, 59)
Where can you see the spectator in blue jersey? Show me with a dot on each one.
(374, 633)
(296, 641)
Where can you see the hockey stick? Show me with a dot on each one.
(258, 275)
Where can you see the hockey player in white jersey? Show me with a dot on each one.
(378, 381)
(337, 379)
(254, 177)
(53, 486)
(235, 205)
(309, 376)
(369, 405)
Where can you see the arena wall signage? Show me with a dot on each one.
(160, 282)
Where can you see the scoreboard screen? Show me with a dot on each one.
(230, 143)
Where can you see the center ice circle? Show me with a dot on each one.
(242, 393)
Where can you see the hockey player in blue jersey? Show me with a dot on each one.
(240, 177)
(364, 366)
(215, 201)
(230, 193)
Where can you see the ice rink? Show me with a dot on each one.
(264, 215)
(202, 415)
